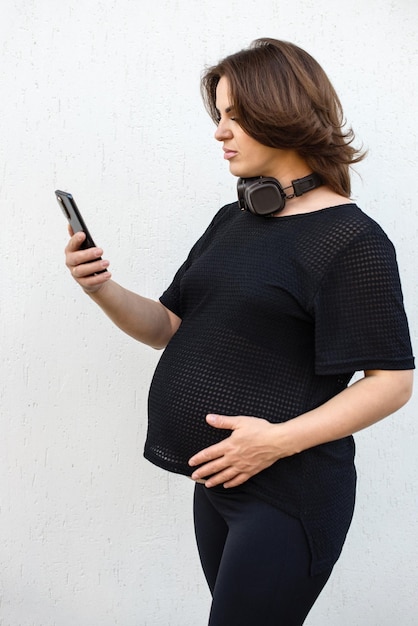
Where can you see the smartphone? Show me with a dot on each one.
(75, 219)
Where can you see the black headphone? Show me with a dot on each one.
(263, 195)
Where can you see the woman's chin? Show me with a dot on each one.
(241, 172)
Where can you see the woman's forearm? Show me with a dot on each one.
(146, 320)
(143, 319)
(367, 401)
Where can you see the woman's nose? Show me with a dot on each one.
(222, 131)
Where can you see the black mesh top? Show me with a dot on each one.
(277, 315)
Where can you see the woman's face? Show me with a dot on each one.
(246, 156)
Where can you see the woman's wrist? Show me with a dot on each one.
(285, 439)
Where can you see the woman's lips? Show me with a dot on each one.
(229, 154)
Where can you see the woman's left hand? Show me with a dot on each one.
(251, 447)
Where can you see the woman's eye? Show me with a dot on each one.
(218, 119)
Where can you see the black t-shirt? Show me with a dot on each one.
(277, 315)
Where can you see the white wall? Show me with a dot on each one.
(102, 98)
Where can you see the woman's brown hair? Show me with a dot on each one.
(283, 99)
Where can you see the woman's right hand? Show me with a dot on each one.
(84, 264)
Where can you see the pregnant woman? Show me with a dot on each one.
(289, 292)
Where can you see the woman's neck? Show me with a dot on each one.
(314, 200)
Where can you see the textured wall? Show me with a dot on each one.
(101, 98)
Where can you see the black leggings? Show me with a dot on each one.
(256, 560)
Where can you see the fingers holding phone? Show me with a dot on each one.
(86, 265)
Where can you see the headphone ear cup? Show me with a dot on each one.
(261, 195)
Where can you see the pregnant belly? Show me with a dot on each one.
(215, 372)
(183, 391)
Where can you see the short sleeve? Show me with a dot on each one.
(360, 321)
